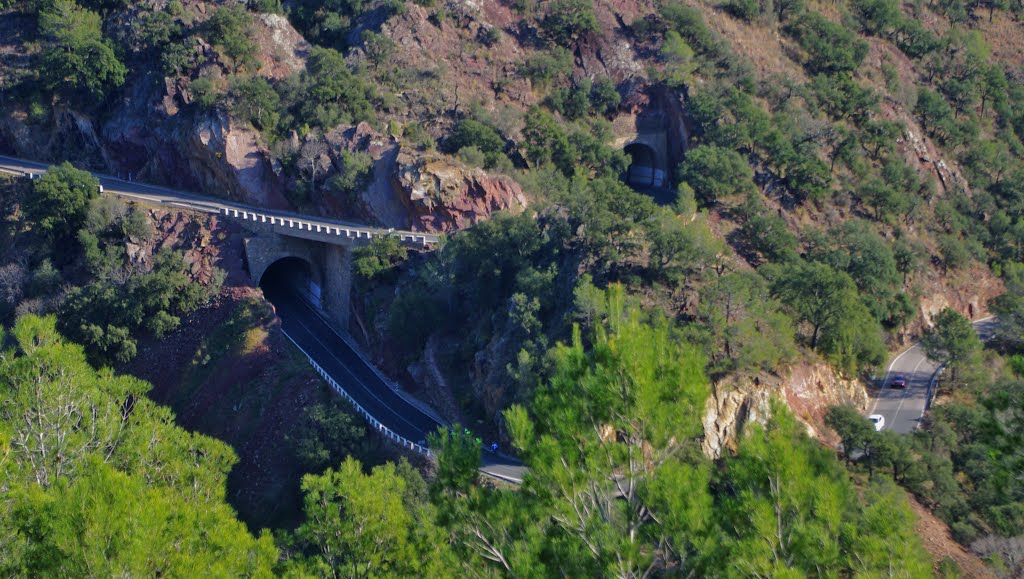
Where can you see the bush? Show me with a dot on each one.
(333, 94)
(253, 99)
(717, 175)
(356, 172)
(547, 67)
(568, 20)
(877, 17)
(831, 48)
(480, 136)
(205, 93)
(472, 156)
(747, 10)
(229, 28)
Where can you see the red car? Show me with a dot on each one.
(899, 382)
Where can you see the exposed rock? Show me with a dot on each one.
(224, 154)
(927, 156)
(728, 410)
(153, 134)
(446, 196)
(283, 51)
(809, 389)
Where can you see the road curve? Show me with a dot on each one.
(319, 341)
(904, 408)
(302, 324)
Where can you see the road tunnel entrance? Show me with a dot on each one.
(644, 172)
(294, 276)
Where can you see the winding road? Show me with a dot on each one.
(300, 322)
(903, 408)
(320, 341)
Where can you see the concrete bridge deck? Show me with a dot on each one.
(313, 228)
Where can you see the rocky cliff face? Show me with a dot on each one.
(444, 196)
(153, 134)
(808, 389)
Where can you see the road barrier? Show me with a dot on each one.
(338, 230)
(327, 229)
(387, 432)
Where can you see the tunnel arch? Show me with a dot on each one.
(644, 168)
(294, 274)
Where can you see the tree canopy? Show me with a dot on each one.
(97, 479)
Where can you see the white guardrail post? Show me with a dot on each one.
(355, 233)
(387, 432)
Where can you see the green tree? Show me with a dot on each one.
(858, 250)
(877, 17)
(109, 314)
(98, 479)
(379, 258)
(717, 175)
(328, 433)
(546, 142)
(831, 48)
(567, 21)
(472, 133)
(953, 342)
(458, 458)
(910, 256)
(793, 511)
(334, 95)
(749, 332)
(230, 29)
(60, 202)
(359, 525)
(934, 113)
(636, 393)
(75, 57)
(679, 248)
(378, 47)
(854, 430)
(679, 60)
(826, 301)
(253, 99)
(356, 173)
(1009, 307)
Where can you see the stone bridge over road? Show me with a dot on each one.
(311, 257)
(323, 244)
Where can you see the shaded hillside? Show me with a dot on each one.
(781, 194)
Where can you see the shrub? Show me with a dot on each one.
(831, 48)
(485, 139)
(568, 20)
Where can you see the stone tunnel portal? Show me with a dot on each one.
(644, 171)
(294, 275)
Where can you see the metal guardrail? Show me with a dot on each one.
(387, 432)
(348, 232)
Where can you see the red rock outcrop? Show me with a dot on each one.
(808, 388)
(443, 195)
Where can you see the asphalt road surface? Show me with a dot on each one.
(904, 408)
(173, 197)
(305, 326)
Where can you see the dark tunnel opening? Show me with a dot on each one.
(643, 171)
(291, 276)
